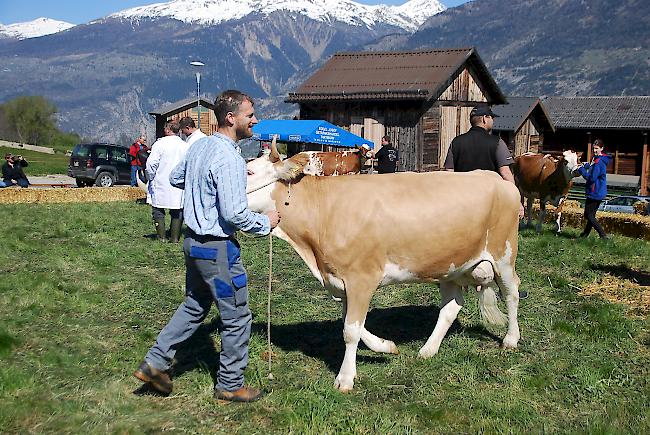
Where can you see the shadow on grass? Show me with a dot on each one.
(624, 272)
(323, 339)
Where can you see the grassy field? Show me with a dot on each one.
(40, 163)
(85, 291)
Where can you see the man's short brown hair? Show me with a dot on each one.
(173, 126)
(186, 121)
(229, 101)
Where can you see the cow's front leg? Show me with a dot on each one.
(558, 210)
(355, 311)
(374, 343)
(450, 304)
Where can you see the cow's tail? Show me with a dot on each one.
(487, 303)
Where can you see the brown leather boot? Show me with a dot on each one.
(158, 379)
(244, 394)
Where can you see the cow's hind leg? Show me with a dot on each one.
(529, 212)
(357, 303)
(450, 304)
(374, 343)
(509, 281)
(541, 216)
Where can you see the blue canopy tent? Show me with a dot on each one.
(318, 132)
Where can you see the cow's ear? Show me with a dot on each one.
(292, 168)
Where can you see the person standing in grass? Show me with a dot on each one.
(166, 153)
(595, 175)
(136, 165)
(213, 175)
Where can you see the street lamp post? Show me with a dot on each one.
(197, 63)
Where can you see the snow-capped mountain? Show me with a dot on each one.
(34, 29)
(408, 16)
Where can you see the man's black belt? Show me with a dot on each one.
(202, 238)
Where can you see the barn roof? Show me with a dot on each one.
(394, 75)
(624, 113)
(179, 106)
(514, 114)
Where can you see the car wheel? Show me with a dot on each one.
(105, 179)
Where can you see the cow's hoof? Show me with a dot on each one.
(343, 385)
(510, 342)
(426, 353)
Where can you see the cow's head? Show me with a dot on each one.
(265, 171)
(570, 160)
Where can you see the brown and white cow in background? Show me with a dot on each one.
(336, 162)
(547, 178)
(425, 235)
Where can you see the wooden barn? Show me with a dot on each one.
(183, 108)
(622, 123)
(522, 124)
(420, 99)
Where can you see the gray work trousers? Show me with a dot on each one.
(214, 272)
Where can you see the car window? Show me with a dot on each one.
(101, 153)
(118, 155)
(81, 151)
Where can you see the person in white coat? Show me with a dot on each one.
(166, 153)
(189, 130)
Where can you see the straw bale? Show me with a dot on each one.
(62, 195)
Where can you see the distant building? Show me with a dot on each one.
(420, 99)
(183, 108)
(522, 124)
(622, 123)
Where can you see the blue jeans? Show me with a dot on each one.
(214, 273)
(22, 182)
(134, 173)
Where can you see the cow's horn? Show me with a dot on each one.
(275, 155)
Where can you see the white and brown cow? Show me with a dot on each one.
(335, 162)
(547, 178)
(425, 234)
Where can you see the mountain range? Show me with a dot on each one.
(107, 74)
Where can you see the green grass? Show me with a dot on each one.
(40, 163)
(84, 294)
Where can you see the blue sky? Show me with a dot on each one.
(82, 11)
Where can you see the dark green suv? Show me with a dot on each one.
(100, 164)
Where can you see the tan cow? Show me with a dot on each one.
(425, 234)
(547, 178)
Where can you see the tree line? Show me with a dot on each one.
(31, 120)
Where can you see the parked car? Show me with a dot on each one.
(101, 164)
(624, 204)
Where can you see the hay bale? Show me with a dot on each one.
(630, 225)
(61, 195)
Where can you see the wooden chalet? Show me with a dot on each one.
(420, 99)
(183, 108)
(522, 124)
(622, 123)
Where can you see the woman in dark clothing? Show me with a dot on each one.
(12, 171)
(595, 174)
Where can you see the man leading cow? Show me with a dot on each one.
(215, 206)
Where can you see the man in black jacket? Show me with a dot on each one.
(12, 171)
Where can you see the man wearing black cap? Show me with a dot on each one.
(478, 149)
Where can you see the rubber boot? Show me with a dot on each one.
(160, 229)
(175, 229)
